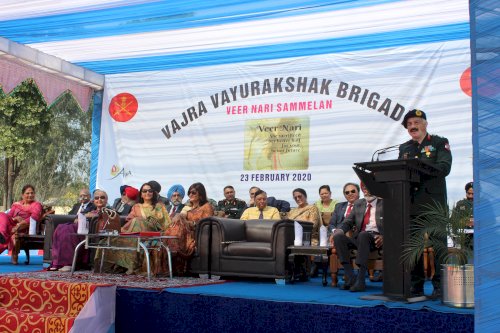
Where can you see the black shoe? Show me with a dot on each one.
(436, 294)
(349, 282)
(358, 286)
(416, 292)
(2, 239)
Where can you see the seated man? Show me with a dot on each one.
(124, 204)
(231, 206)
(175, 195)
(343, 209)
(366, 222)
(84, 206)
(281, 205)
(261, 209)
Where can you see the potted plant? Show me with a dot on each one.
(431, 229)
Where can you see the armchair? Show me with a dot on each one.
(252, 248)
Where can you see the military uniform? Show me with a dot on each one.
(434, 150)
(232, 208)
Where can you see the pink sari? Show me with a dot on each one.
(7, 222)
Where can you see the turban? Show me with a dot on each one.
(131, 192)
(122, 189)
(176, 188)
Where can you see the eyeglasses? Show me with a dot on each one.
(192, 193)
(97, 197)
(298, 197)
(147, 191)
(350, 192)
(252, 193)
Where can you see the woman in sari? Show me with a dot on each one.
(65, 238)
(17, 218)
(148, 215)
(307, 213)
(198, 206)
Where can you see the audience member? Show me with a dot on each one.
(231, 206)
(123, 205)
(325, 204)
(149, 214)
(85, 205)
(342, 209)
(261, 209)
(307, 213)
(18, 218)
(282, 205)
(175, 195)
(157, 187)
(198, 206)
(65, 238)
(366, 221)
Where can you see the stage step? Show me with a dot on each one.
(55, 306)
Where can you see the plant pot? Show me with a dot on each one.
(458, 285)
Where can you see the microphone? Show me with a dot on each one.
(381, 151)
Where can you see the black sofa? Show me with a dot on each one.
(253, 248)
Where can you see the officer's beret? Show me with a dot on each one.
(413, 113)
(468, 186)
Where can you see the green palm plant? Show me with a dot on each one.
(431, 229)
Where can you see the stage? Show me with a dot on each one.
(261, 306)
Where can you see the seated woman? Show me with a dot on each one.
(65, 238)
(198, 207)
(149, 214)
(308, 213)
(18, 218)
(325, 204)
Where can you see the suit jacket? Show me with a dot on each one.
(90, 207)
(337, 215)
(179, 208)
(121, 209)
(355, 219)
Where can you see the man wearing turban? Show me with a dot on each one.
(175, 195)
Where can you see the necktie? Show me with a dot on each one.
(349, 208)
(261, 215)
(172, 212)
(366, 219)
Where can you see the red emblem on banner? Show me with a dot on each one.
(465, 82)
(123, 107)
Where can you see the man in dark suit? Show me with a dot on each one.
(85, 205)
(366, 221)
(431, 190)
(175, 195)
(351, 194)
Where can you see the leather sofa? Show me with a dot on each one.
(252, 248)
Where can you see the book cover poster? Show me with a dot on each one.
(277, 144)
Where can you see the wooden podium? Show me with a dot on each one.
(392, 180)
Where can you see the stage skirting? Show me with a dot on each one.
(145, 310)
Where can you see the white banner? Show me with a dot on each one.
(282, 124)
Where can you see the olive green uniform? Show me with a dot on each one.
(434, 150)
(232, 208)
